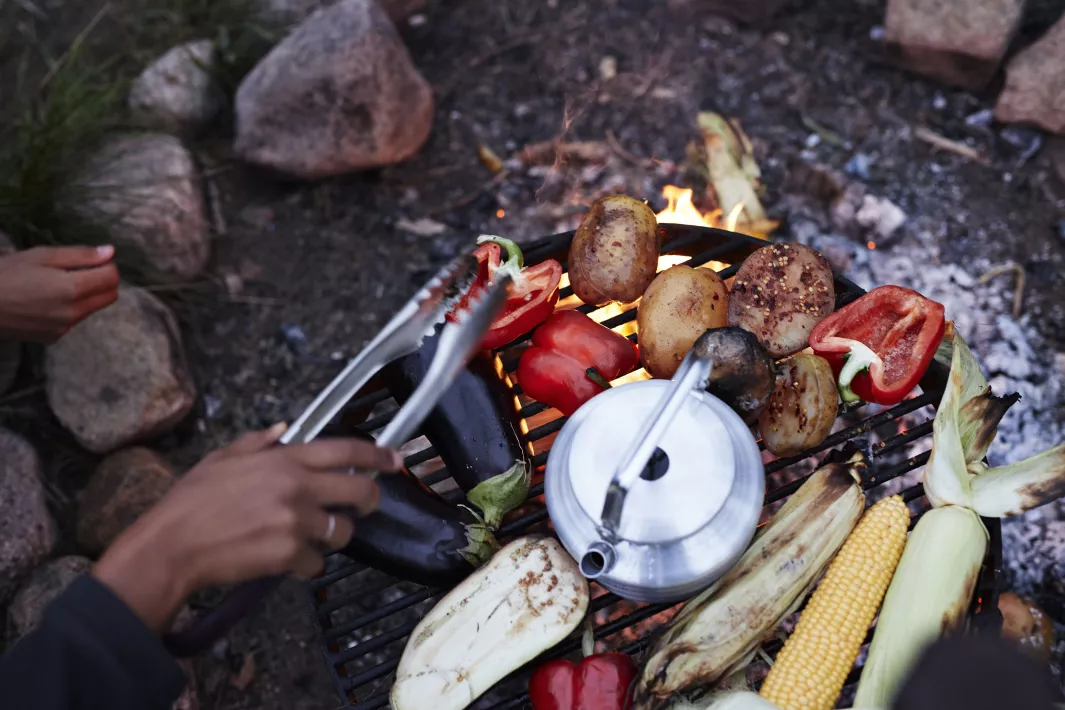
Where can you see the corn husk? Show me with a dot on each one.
(929, 595)
(1010, 490)
(730, 700)
(719, 630)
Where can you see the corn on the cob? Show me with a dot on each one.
(719, 630)
(810, 670)
(928, 596)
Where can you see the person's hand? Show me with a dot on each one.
(249, 510)
(46, 291)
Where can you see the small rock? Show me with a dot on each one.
(817, 180)
(960, 42)
(1034, 92)
(339, 94)
(10, 350)
(26, 531)
(980, 119)
(143, 190)
(123, 487)
(859, 214)
(858, 166)
(177, 91)
(1026, 140)
(422, 226)
(120, 375)
(608, 68)
(286, 13)
(1026, 623)
(37, 592)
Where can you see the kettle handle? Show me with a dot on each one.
(693, 374)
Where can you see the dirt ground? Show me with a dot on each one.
(313, 270)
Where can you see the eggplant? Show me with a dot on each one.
(475, 429)
(417, 536)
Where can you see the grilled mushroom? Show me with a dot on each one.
(743, 373)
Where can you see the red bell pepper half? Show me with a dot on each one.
(880, 345)
(555, 369)
(599, 682)
(532, 296)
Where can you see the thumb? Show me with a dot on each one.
(74, 257)
(255, 441)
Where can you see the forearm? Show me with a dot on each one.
(89, 651)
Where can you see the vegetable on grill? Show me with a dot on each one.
(718, 631)
(614, 253)
(531, 298)
(809, 672)
(554, 370)
(679, 306)
(803, 406)
(526, 599)
(880, 345)
(933, 586)
(780, 293)
(475, 429)
(600, 681)
(743, 374)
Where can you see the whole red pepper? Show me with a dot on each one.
(530, 300)
(599, 682)
(555, 369)
(880, 345)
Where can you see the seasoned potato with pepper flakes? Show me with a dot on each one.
(803, 406)
(780, 293)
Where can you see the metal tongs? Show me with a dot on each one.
(402, 335)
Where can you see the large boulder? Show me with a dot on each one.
(286, 13)
(1035, 84)
(339, 94)
(26, 530)
(960, 42)
(144, 191)
(10, 350)
(177, 92)
(38, 591)
(123, 487)
(120, 375)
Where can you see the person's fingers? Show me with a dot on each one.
(332, 529)
(92, 304)
(72, 257)
(327, 454)
(255, 441)
(342, 489)
(94, 281)
(308, 564)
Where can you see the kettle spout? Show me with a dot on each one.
(597, 560)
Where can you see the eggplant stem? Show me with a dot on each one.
(595, 376)
(481, 544)
(501, 493)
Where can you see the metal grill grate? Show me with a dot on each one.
(365, 616)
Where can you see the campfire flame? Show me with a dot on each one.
(681, 210)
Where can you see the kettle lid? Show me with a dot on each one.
(687, 479)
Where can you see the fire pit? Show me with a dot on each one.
(364, 616)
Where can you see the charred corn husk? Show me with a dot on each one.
(812, 667)
(929, 595)
(933, 585)
(719, 630)
(526, 599)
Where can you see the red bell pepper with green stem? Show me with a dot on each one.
(532, 296)
(599, 682)
(880, 345)
(571, 360)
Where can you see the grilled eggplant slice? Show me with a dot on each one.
(474, 428)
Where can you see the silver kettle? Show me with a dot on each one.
(656, 487)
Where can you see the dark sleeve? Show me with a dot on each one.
(89, 652)
(977, 672)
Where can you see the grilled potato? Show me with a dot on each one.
(803, 405)
(681, 304)
(780, 293)
(614, 254)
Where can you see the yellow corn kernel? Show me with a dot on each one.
(810, 670)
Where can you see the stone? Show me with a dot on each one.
(37, 592)
(144, 190)
(125, 485)
(859, 214)
(961, 42)
(178, 92)
(10, 350)
(286, 13)
(339, 94)
(1034, 92)
(120, 375)
(26, 530)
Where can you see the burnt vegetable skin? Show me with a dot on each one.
(743, 376)
(474, 428)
